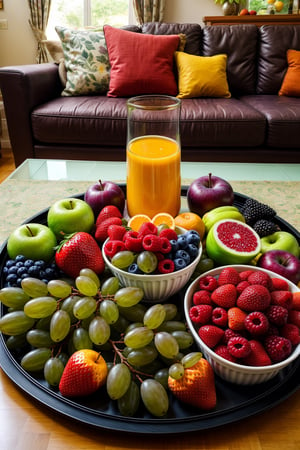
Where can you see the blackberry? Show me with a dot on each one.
(265, 227)
(253, 211)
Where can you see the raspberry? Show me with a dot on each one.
(219, 317)
(133, 242)
(169, 234)
(242, 285)
(278, 348)
(229, 275)
(225, 296)
(113, 247)
(256, 323)
(147, 228)
(200, 314)
(152, 243)
(239, 347)
(166, 266)
(228, 334)
(166, 246)
(201, 298)
(291, 332)
(261, 278)
(208, 283)
(278, 315)
(210, 335)
(222, 351)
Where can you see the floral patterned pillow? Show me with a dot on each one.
(86, 61)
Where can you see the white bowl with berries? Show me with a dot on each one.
(246, 322)
(163, 279)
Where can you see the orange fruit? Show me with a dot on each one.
(278, 6)
(270, 2)
(190, 221)
(136, 221)
(164, 219)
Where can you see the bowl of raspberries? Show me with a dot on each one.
(160, 262)
(246, 322)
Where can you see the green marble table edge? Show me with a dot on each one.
(21, 199)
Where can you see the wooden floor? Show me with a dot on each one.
(7, 163)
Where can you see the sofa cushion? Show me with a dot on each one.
(140, 64)
(291, 82)
(192, 31)
(275, 40)
(283, 118)
(240, 45)
(201, 76)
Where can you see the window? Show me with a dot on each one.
(83, 13)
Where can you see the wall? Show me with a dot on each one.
(18, 45)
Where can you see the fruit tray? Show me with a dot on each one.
(234, 402)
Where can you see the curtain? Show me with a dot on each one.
(39, 15)
(149, 10)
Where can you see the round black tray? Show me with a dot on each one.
(234, 402)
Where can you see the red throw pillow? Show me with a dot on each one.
(140, 63)
(291, 82)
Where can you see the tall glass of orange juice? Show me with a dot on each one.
(153, 155)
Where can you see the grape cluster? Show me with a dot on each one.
(50, 321)
(15, 270)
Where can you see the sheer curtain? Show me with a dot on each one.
(149, 10)
(39, 15)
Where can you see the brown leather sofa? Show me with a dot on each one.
(255, 124)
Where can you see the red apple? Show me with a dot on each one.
(281, 262)
(252, 12)
(105, 193)
(208, 192)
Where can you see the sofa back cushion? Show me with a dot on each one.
(275, 40)
(239, 42)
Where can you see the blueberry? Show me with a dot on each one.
(182, 254)
(28, 262)
(192, 250)
(193, 237)
(10, 262)
(42, 274)
(22, 270)
(20, 258)
(33, 270)
(174, 245)
(12, 278)
(134, 268)
(182, 243)
(5, 270)
(12, 269)
(179, 264)
(40, 263)
(50, 273)
(19, 264)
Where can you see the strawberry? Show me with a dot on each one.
(225, 295)
(291, 332)
(107, 212)
(278, 284)
(116, 232)
(197, 386)
(294, 317)
(245, 274)
(236, 318)
(223, 351)
(229, 275)
(296, 300)
(79, 251)
(242, 285)
(101, 233)
(258, 355)
(254, 298)
(282, 298)
(84, 373)
(211, 335)
(261, 278)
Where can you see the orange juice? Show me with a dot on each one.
(153, 176)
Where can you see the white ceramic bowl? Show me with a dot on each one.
(236, 373)
(157, 288)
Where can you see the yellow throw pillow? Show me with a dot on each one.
(202, 76)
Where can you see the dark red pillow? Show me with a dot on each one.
(140, 63)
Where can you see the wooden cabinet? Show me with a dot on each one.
(259, 20)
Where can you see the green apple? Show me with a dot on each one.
(221, 212)
(33, 240)
(70, 215)
(280, 240)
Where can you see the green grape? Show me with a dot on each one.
(59, 288)
(162, 226)
(142, 356)
(15, 323)
(133, 325)
(120, 325)
(123, 259)
(118, 381)
(128, 404)
(129, 296)
(191, 359)
(35, 360)
(40, 307)
(84, 307)
(147, 261)
(81, 339)
(176, 371)
(16, 342)
(86, 272)
(44, 324)
(59, 325)
(34, 287)
(162, 376)
(155, 316)
(109, 311)
(169, 361)
(138, 337)
(171, 311)
(133, 313)
(166, 344)
(99, 331)
(53, 370)
(68, 305)
(183, 338)
(86, 286)
(64, 357)
(154, 397)
(85, 323)
(39, 338)
(13, 297)
(172, 325)
(152, 367)
(110, 286)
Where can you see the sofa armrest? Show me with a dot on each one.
(23, 88)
